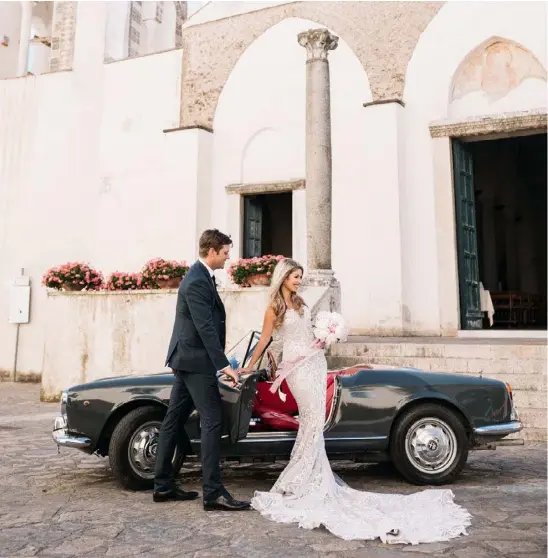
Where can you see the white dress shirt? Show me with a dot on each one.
(211, 273)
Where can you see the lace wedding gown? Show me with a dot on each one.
(308, 493)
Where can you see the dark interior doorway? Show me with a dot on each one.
(500, 194)
(268, 225)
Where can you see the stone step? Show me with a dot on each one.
(533, 399)
(518, 381)
(452, 350)
(530, 434)
(533, 418)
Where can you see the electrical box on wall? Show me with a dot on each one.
(19, 310)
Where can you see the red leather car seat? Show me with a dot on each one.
(276, 414)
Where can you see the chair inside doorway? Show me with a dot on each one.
(500, 195)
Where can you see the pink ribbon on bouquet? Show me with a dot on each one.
(287, 366)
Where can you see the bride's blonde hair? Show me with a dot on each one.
(284, 268)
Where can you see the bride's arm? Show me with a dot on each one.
(266, 334)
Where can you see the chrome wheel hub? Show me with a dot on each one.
(142, 449)
(431, 445)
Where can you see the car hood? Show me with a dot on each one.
(134, 380)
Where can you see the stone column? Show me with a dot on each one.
(318, 43)
(24, 38)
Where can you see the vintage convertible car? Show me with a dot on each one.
(424, 422)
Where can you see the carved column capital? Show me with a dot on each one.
(318, 43)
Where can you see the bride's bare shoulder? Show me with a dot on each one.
(270, 314)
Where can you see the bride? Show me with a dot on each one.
(307, 492)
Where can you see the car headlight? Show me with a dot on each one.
(64, 398)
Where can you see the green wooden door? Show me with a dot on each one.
(467, 244)
(253, 226)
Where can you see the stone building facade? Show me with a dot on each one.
(406, 163)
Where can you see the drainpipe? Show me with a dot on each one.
(13, 377)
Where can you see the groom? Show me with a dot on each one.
(195, 354)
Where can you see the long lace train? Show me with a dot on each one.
(310, 494)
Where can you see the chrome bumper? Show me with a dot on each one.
(62, 437)
(503, 429)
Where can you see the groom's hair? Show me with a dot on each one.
(213, 238)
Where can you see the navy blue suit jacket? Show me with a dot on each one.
(199, 332)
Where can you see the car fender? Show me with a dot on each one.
(428, 396)
(122, 408)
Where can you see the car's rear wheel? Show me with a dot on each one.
(133, 446)
(429, 444)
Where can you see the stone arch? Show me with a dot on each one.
(367, 27)
(260, 129)
(254, 106)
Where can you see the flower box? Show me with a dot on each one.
(164, 274)
(249, 272)
(73, 276)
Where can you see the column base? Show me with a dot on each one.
(325, 279)
(320, 278)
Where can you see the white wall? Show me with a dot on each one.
(117, 30)
(92, 336)
(259, 136)
(39, 53)
(10, 25)
(87, 173)
(437, 56)
(164, 37)
(443, 46)
(155, 36)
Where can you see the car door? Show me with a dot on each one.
(238, 401)
(238, 406)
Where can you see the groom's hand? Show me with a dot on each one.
(233, 374)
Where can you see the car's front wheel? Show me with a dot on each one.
(133, 446)
(429, 444)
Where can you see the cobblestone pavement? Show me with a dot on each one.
(69, 505)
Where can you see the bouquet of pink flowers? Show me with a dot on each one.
(328, 328)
